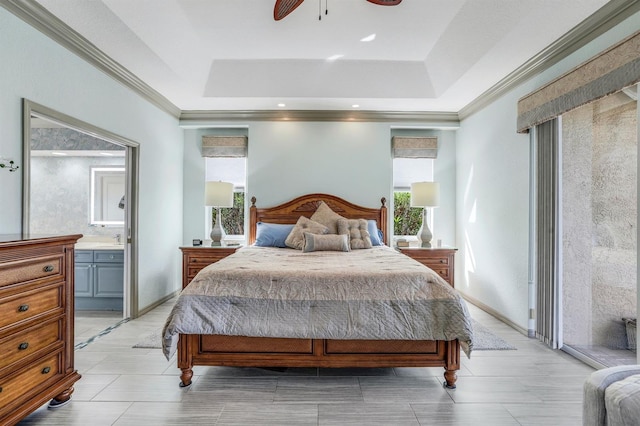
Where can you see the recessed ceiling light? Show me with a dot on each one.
(370, 37)
(58, 153)
(281, 105)
(334, 57)
(355, 106)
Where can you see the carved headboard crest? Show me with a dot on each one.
(312, 206)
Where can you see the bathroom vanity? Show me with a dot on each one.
(99, 278)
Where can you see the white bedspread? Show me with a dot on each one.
(376, 293)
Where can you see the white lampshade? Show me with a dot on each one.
(218, 194)
(425, 194)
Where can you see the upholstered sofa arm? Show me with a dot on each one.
(593, 405)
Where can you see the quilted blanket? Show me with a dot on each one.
(376, 293)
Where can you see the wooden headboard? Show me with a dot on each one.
(306, 205)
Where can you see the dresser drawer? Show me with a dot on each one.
(440, 260)
(31, 269)
(195, 259)
(440, 270)
(203, 261)
(20, 307)
(30, 341)
(433, 262)
(29, 378)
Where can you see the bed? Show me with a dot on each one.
(279, 307)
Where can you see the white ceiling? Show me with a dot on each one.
(428, 55)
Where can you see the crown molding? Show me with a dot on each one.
(610, 15)
(595, 25)
(198, 119)
(41, 19)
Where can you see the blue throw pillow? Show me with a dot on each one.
(272, 234)
(374, 233)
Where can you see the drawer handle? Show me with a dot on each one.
(46, 370)
(442, 261)
(48, 268)
(23, 308)
(22, 346)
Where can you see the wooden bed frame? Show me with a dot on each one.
(239, 351)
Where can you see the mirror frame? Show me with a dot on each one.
(96, 178)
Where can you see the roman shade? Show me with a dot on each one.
(415, 147)
(224, 146)
(610, 71)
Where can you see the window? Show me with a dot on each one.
(228, 169)
(407, 220)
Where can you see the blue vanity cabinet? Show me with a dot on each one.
(83, 271)
(99, 280)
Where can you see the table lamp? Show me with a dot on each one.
(425, 195)
(218, 194)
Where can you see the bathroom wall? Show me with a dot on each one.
(61, 184)
(60, 189)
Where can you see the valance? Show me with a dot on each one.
(610, 71)
(415, 147)
(224, 146)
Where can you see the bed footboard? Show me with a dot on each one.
(238, 351)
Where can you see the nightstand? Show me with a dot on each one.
(196, 258)
(440, 259)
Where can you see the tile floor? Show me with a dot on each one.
(532, 385)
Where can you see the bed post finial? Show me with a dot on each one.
(383, 201)
(253, 201)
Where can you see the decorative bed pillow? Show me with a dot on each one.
(272, 234)
(356, 229)
(296, 236)
(327, 217)
(374, 233)
(325, 242)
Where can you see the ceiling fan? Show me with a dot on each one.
(285, 7)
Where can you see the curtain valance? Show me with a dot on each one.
(224, 146)
(415, 147)
(606, 73)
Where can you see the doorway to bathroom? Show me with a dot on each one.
(79, 179)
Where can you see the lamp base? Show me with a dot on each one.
(217, 232)
(424, 234)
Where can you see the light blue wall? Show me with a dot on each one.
(492, 192)
(289, 159)
(350, 160)
(36, 68)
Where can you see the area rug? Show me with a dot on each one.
(483, 340)
(150, 341)
(486, 340)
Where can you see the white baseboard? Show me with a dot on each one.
(494, 313)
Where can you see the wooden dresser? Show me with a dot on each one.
(196, 258)
(36, 324)
(441, 260)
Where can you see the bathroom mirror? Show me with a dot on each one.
(107, 196)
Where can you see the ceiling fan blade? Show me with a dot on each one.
(385, 2)
(284, 7)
